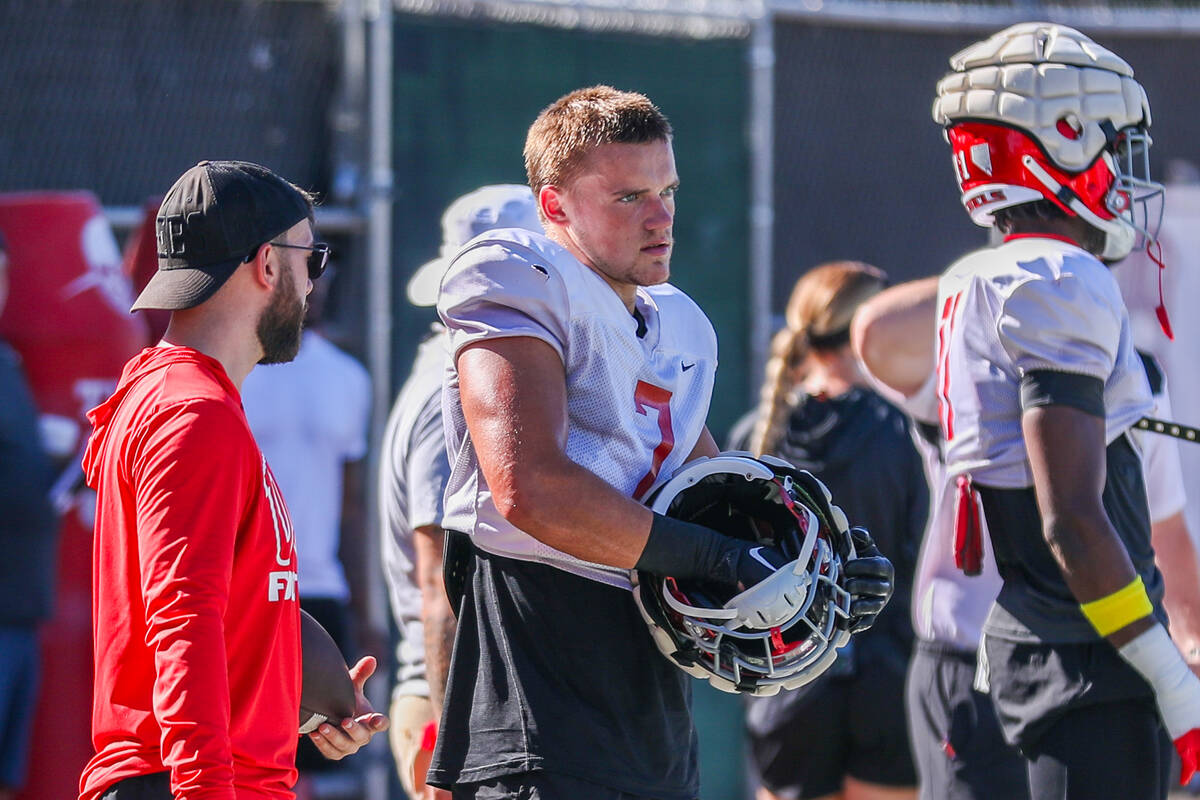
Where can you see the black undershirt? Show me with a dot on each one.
(641, 324)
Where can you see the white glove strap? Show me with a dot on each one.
(1176, 688)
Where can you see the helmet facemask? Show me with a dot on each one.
(1135, 199)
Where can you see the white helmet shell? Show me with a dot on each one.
(1082, 120)
(1033, 75)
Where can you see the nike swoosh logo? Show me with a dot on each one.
(755, 554)
(686, 367)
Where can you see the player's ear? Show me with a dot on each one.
(550, 203)
(263, 266)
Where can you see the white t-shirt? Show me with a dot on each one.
(309, 417)
(948, 606)
(636, 405)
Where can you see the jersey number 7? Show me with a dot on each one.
(647, 395)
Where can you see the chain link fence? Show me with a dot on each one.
(121, 96)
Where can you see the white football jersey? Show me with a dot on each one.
(1033, 303)
(636, 405)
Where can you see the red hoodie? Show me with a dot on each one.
(196, 627)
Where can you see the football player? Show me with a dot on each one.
(1037, 387)
(580, 380)
(957, 742)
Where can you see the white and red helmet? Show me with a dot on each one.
(1039, 111)
(782, 632)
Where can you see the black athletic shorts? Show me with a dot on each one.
(805, 741)
(1083, 717)
(1112, 751)
(957, 743)
(539, 785)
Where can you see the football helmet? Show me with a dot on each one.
(1040, 111)
(782, 632)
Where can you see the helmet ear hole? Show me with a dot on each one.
(1069, 127)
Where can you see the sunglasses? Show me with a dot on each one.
(318, 256)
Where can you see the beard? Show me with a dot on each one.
(281, 322)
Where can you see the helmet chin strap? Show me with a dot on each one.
(1115, 231)
(1071, 200)
(1154, 253)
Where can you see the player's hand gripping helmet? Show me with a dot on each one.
(1040, 111)
(782, 632)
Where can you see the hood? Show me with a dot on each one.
(149, 362)
(826, 432)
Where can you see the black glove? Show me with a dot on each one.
(686, 550)
(869, 580)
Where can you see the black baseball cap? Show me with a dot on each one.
(215, 217)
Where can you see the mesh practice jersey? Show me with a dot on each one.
(636, 404)
(1037, 304)
(1034, 303)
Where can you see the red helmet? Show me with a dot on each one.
(1040, 111)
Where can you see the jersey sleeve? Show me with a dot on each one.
(192, 475)
(1060, 325)
(499, 290)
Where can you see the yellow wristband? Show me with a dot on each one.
(1113, 612)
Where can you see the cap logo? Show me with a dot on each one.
(169, 232)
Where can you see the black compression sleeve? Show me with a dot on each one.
(1044, 387)
(685, 550)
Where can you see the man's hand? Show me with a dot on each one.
(869, 580)
(334, 742)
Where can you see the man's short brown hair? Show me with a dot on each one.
(577, 123)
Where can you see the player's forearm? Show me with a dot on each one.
(571, 509)
(439, 627)
(1096, 566)
(893, 333)
(437, 618)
